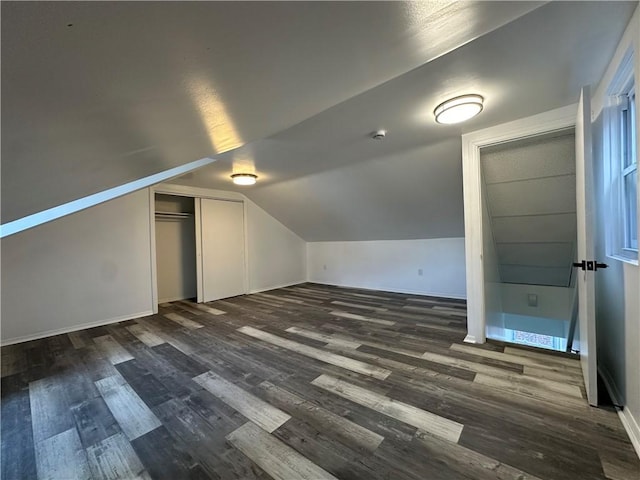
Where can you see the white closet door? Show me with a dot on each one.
(223, 270)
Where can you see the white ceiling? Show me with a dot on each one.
(134, 88)
(532, 183)
(327, 180)
(97, 94)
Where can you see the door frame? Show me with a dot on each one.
(197, 194)
(546, 122)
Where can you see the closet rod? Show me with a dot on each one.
(173, 215)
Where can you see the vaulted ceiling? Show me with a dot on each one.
(98, 94)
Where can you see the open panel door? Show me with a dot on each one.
(586, 251)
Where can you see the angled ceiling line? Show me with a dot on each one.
(33, 220)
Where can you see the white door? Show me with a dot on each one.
(586, 251)
(222, 249)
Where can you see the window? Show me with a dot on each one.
(622, 157)
(629, 167)
(539, 340)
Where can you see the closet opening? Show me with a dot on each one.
(175, 227)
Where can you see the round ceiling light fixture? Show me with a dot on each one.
(244, 178)
(379, 134)
(459, 109)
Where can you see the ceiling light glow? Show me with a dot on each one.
(459, 109)
(244, 178)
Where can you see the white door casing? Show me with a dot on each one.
(472, 143)
(586, 250)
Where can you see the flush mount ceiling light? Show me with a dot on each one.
(244, 178)
(458, 109)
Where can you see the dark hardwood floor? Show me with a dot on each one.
(305, 382)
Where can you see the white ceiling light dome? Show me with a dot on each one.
(244, 178)
(459, 109)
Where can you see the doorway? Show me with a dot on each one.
(575, 117)
(199, 246)
(529, 240)
(175, 247)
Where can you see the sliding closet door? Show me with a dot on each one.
(223, 270)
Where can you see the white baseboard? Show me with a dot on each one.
(75, 328)
(629, 423)
(470, 339)
(394, 290)
(275, 287)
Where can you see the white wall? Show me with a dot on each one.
(553, 302)
(91, 267)
(551, 316)
(539, 325)
(617, 287)
(94, 267)
(617, 313)
(276, 255)
(391, 265)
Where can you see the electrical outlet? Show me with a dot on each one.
(419, 272)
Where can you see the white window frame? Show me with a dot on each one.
(618, 147)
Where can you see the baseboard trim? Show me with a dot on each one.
(393, 290)
(260, 290)
(631, 426)
(629, 423)
(75, 328)
(470, 339)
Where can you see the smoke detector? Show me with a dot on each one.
(379, 135)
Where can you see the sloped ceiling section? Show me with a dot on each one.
(531, 187)
(97, 94)
(326, 179)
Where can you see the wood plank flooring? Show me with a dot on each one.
(304, 382)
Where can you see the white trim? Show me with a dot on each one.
(553, 120)
(619, 258)
(152, 253)
(260, 290)
(198, 193)
(245, 225)
(470, 339)
(614, 102)
(393, 290)
(84, 326)
(74, 206)
(600, 94)
(632, 428)
(187, 191)
(628, 422)
(197, 203)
